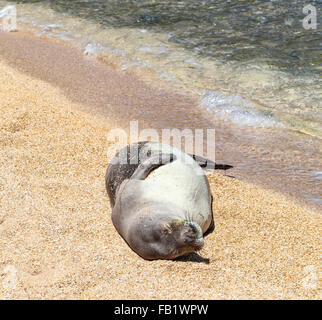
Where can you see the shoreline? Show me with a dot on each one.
(258, 155)
(151, 53)
(58, 241)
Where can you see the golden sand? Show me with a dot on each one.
(57, 240)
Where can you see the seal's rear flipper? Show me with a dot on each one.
(152, 163)
(209, 164)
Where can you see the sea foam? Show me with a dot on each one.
(235, 109)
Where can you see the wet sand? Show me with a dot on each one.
(267, 157)
(57, 240)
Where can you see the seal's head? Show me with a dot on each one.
(168, 238)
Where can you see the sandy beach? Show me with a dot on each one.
(57, 240)
(266, 156)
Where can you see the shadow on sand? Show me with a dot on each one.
(192, 257)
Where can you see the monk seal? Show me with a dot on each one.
(161, 200)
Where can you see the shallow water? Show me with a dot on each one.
(256, 50)
(251, 64)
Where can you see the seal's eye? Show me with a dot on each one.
(160, 232)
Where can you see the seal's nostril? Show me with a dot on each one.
(195, 229)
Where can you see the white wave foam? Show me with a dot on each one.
(235, 109)
(94, 49)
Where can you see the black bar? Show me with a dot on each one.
(157, 309)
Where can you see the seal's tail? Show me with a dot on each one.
(209, 164)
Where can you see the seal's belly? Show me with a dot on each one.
(184, 185)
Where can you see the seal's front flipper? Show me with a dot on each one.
(209, 164)
(152, 163)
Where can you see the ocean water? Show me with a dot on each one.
(251, 62)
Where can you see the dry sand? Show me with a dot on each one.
(57, 240)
